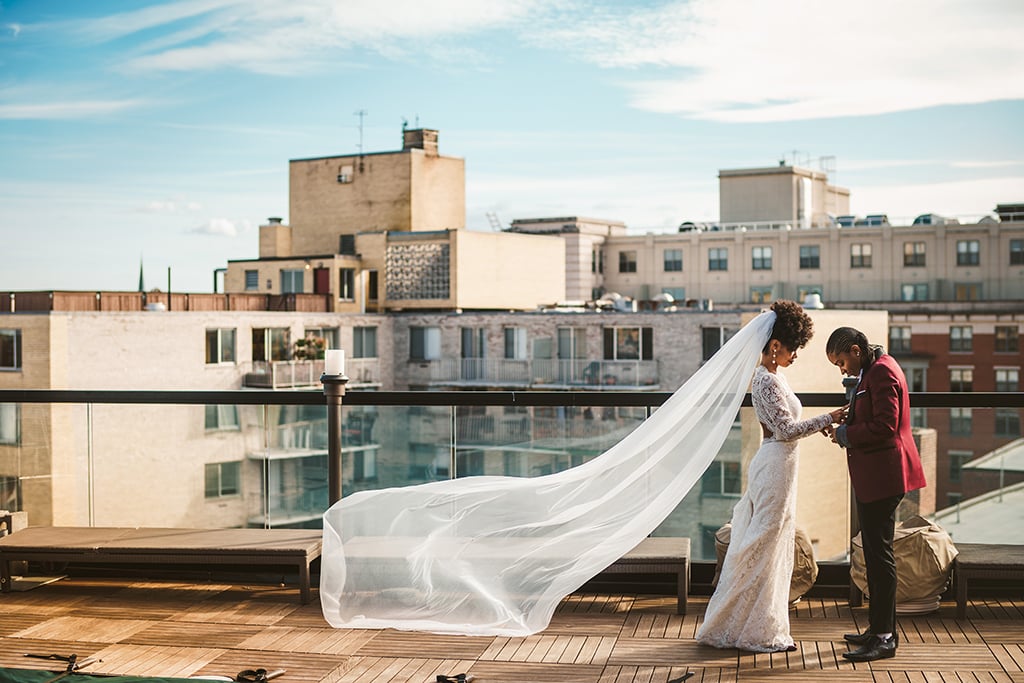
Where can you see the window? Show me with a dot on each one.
(966, 291)
(221, 417)
(713, 338)
(761, 258)
(1007, 339)
(347, 284)
(914, 292)
(572, 343)
(222, 479)
(364, 342)
(673, 260)
(1007, 379)
(961, 421)
(424, 343)
(364, 465)
(802, 291)
(10, 426)
(291, 281)
(760, 295)
(597, 261)
(899, 339)
(961, 379)
(328, 334)
(10, 493)
(220, 346)
(627, 261)
(913, 254)
(371, 285)
(628, 343)
(961, 338)
(968, 252)
(860, 255)
(718, 258)
(10, 349)
(1007, 422)
(252, 280)
(810, 256)
(721, 479)
(515, 343)
(677, 293)
(271, 343)
(1017, 252)
(957, 459)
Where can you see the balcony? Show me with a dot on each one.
(186, 622)
(553, 374)
(305, 374)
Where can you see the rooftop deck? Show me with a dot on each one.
(176, 629)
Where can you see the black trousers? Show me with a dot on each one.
(877, 526)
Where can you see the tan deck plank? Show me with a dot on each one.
(297, 666)
(152, 660)
(198, 635)
(518, 672)
(13, 651)
(454, 647)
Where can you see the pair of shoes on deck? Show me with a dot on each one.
(871, 647)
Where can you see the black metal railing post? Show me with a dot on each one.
(334, 391)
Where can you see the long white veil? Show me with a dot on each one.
(495, 555)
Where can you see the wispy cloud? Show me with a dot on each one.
(66, 109)
(282, 38)
(15, 29)
(737, 61)
(170, 206)
(221, 227)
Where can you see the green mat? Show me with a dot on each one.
(37, 676)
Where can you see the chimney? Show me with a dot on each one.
(420, 138)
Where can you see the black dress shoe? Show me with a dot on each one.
(858, 638)
(863, 638)
(876, 648)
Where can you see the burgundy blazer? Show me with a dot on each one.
(882, 456)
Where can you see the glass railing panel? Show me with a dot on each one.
(45, 462)
(978, 464)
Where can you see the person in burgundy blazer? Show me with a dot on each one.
(884, 465)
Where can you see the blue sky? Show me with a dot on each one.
(161, 131)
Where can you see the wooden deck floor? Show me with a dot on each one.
(182, 630)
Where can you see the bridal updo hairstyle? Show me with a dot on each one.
(793, 327)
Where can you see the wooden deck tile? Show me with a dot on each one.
(88, 629)
(197, 635)
(152, 660)
(171, 629)
(388, 642)
(298, 667)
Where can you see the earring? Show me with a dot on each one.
(775, 361)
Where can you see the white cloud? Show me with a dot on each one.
(741, 61)
(281, 38)
(958, 198)
(219, 227)
(15, 29)
(171, 206)
(67, 109)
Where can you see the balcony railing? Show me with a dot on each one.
(537, 373)
(260, 458)
(305, 374)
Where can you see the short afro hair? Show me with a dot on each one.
(793, 327)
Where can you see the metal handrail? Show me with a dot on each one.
(652, 399)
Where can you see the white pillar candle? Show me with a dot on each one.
(334, 362)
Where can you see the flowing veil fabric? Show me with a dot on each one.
(495, 555)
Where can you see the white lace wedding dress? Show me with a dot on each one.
(749, 609)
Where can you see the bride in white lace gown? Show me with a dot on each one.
(749, 609)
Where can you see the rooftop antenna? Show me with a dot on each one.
(492, 217)
(360, 113)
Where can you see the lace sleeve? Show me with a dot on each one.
(771, 401)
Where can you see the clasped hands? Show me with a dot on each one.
(838, 417)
